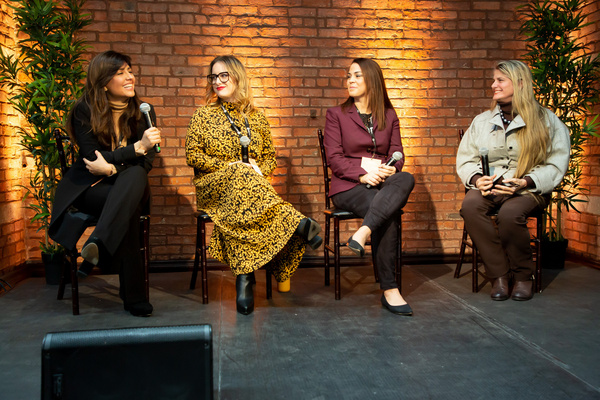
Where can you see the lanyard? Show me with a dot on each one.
(369, 125)
(235, 128)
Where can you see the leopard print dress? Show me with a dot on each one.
(253, 225)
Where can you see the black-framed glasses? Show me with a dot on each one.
(223, 77)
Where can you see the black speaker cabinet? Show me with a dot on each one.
(169, 362)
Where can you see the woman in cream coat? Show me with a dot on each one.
(528, 156)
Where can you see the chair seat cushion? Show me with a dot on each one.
(202, 215)
(339, 213)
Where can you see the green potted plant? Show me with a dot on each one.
(43, 78)
(566, 80)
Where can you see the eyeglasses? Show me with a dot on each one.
(223, 77)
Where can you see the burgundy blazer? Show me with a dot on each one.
(347, 140)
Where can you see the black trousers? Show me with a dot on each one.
(504, 247)
(379, 207)
(118, 201)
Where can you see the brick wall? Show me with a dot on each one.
(12, 232)
(583, 229)
(436, 57)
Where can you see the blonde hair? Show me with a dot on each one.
(534, 136)
(242, 95)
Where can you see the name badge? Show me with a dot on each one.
(370, 164)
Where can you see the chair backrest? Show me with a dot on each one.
(326, 178)
(461, 133)
(63, 141)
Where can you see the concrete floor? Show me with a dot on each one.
(306, 345)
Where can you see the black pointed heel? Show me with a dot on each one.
(308, 228)
(91, 250)
(316, 242)
(355, 247)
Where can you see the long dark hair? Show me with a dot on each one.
(377, 95)
(101, 70)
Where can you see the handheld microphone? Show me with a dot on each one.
(244, 141)
(485, 162)
(396, 156)
(145, 109)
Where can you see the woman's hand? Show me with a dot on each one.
(387, 170)
(99, 166)
(509, 186)
(485, 184)
(254, 165)
(150, 138)
(377, 176)
(251, 163)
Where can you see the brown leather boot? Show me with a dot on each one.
(523, 290)
(500, 289)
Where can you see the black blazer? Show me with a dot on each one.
(78, 178)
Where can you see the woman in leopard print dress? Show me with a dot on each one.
(254, 227)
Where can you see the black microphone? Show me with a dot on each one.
(397, 156)
(485, 162)
(145, 109)
(244, 141)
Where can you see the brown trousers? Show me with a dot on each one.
(504, 246)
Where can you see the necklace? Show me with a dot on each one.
(503, 118)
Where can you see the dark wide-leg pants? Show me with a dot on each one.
(117, 201)
(504, 247)
(379, 208)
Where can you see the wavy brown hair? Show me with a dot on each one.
(237, 72)
(101, 70)
(534, 137)
(377, 95)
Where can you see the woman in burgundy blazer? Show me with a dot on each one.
(361, 135)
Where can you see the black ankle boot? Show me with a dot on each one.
(244, 298)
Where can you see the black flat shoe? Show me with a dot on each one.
(308, 228)
(141, 309)
(84, 269)
(355, 247)
(399, 310)
(316, 242)
(91, 250)
(244, 296)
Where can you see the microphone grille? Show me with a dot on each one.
(483, 151)
(145, 107)
(397, 156)
(244, 141)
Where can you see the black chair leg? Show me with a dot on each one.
(475, 271)
(269, 283)
(74, 286)
(145, 250)
(326, 249)
(461, 255)
(197, 255)
(336, 258)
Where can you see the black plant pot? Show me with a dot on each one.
(554, 254)
(53, 265)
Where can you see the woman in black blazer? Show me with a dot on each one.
(109, 179)
(360, 135)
